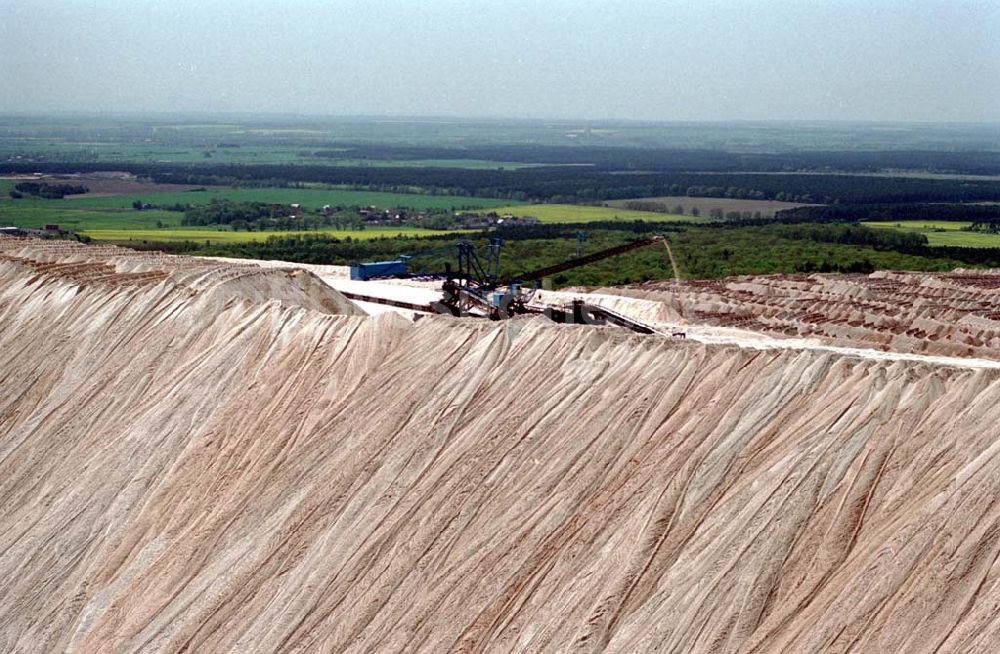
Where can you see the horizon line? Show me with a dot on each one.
(370, 117)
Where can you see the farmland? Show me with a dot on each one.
(920, 225)
(943, 233)
(570, 213)
(219, 236)
(125, 225)
(121, 193)
(307, 197)
(111, 216)
(705, 205)
(84, 219)
(112, 153)
(433, 168)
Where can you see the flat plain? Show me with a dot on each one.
(307, 197)
(108, 213)
(705, 205)
(572, 213)
(942, 233)
(214, 235)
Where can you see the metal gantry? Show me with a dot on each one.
(475, 287)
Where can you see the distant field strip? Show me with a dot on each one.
(705, 205)
(469, 164)
(247, 154)
(308, 197)
(123, 225)
(571, 213)
(951, 236)
(112, 217)
(84, 218)
(919, 225)
(219, 236)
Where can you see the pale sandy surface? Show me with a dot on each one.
(209, 457)
(339, 277)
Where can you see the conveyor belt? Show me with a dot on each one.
(590, 314)
(423, 308)
(580, 313)
(583, 261)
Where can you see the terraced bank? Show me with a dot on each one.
(950, 314)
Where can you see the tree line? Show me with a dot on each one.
(565, 185)
(609, 158)
(49, 191)
(982, 213)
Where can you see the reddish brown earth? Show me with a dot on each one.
(950, 314)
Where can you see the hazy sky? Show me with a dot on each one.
(910, 60)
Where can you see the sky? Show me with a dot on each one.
(880, 60)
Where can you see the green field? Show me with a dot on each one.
(307, 197)
(124, 225)
(469, 164)
(202, 235)
(571, 213)
(112, 152)
(919, 225)
(113, 218)
(85, 219)
(942, 233)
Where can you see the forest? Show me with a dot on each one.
(702, 251)
(979, 213)
(48, 191)
(559, 185)
(683, 160)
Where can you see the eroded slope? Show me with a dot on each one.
(184, 467)
(950, 314)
